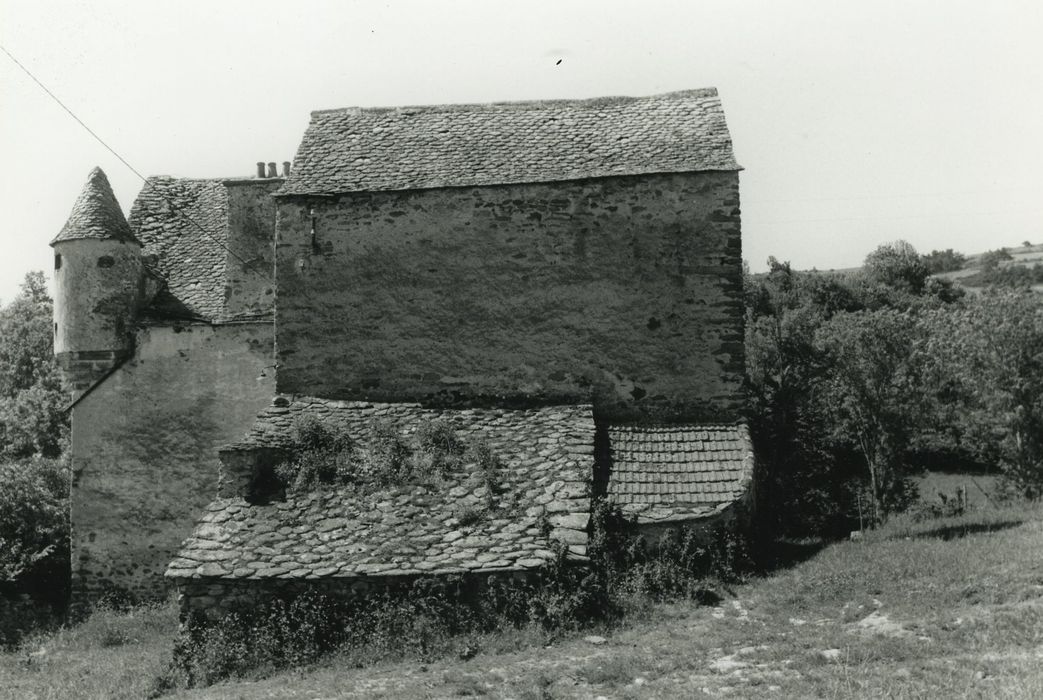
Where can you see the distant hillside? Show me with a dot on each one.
(1003, 265)
(1000, 267)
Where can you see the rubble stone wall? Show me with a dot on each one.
(211, 599)
(625, 292)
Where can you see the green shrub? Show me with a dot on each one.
(487, 464)
(34, 530)
(448, 615)
(438, 442)
(323, 454)
(387, 456)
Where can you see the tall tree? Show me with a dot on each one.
(987, 356)
(897, 265)
(32, 420)
(870, 395)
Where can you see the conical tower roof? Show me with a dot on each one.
(96, 214)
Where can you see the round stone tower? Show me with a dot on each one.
(99, 282)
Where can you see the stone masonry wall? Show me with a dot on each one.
(212, 599)
(250, 289)
(625, 292)
(144, 449)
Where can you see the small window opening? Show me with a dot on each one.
(57, 261)
(106, 261)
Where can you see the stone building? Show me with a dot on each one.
(562, 279)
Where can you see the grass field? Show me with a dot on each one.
(941, 609)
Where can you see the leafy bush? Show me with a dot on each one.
(897, 265)
(947, 506)
(992, 259)
(325, 454)
(447, 615)
(944, 261)
(431, 617)
(34, 522)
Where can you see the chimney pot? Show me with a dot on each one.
(260, 170)
(272, 172)
(286, 168)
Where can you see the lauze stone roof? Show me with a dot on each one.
(542, 498)
(663, 474)
(96, 214)
(184, 224)
(351, 150)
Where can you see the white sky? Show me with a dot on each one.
(858, 123)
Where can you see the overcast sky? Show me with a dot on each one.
(857, 123)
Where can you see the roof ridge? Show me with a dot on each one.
(374, 149)
(521, 104)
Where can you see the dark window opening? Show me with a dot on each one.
(57, 261)
(106, 261)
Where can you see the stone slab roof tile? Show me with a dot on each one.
(543, 498)
(405, 148)
(697, 470)
(96, 214)
(184, 224)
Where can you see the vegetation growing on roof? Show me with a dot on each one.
(325, 454)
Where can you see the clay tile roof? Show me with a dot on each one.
(542, 498)
(190, 261)
(349, 150)
(96, 214)
(659, 474)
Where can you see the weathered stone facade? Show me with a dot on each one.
(210, 599)
(485, 263)
(167, 354)
(624, 291)
(510, 516)
(144, 449)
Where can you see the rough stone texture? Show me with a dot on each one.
(96, 214)
(706, 529)
(210, 599)
(250, 261)
(144, 449)
(95, 305)
(626, 292)
(541, 496)
(404, 148)
(211, 241)
(184, 223)
(669, 473)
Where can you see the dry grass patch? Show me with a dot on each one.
(112, 654)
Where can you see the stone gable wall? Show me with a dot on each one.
(625, 292)
(144, 450)
(250, 286)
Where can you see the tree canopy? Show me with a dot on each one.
(32, 401)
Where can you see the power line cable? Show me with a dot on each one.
(176, 209)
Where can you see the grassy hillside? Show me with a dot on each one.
(972, 275)
(947, 608)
